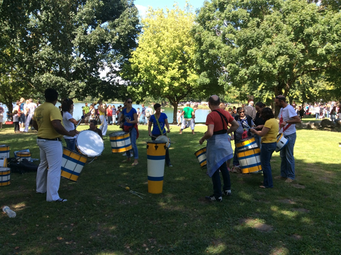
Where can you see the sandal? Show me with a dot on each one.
(61, 200)
(135, 164)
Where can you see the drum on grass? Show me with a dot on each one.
(247, 144)
(201, 156)
(72, 164)
(23, 154)
(3, 162)
(281, 142)
(249, 161)
(5, 176)
(156, 155)
(89, 143)
(164, 139)
(120, 142)
(4, 151)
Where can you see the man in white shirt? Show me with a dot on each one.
(287, 120)
(31, 106)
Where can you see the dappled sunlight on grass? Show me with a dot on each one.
(287, 213)
(245, 196)
(279, 251)
(307, 220)
(216, 248)
(255, 223)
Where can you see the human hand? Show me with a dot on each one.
(168, 131)
(201, 141)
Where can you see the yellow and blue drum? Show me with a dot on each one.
(5, 176)
(120, 142)
(4, 151)
(3, 162)
(72, 164)
(156, 156)
(247, 144)
(249, 161)
(23, 154)
(201, 156)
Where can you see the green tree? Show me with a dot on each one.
(264, 47)
(163, 64)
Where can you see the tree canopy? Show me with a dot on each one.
(265, 47)
(67, 44)
(163, 63)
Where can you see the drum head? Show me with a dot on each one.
(89, 143)
(118, 133)
(163, 139)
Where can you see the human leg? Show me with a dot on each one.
(290, 156)
(226, 176)
(27, 122)
(192, 123)
(216, 184)
(265, 155)
(104, 125)
(133, 135)
(42, 170)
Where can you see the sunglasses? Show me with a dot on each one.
(129, 102)
(241, 111)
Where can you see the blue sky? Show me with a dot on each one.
(143, 5)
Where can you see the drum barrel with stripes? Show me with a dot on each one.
(72, 164)
(4, 151)
(201, 156)
(247, 144)
(5, 176)
(156, 155)
(249, 161)
(120, 142)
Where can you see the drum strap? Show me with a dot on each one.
(223, 131)
(158, 124)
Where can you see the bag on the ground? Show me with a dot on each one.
(21, 166)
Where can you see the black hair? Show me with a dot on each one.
(260, 105)
(214, 102)
(280, 97)
(66, 105)
(267, 113)
(238, 109)
(157, 105)
(94, 121)
(51, 95)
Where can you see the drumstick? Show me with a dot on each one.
(79, 122)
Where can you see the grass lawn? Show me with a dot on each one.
(101, 217)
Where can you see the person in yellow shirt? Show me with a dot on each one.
(269, 140)
(47, 120)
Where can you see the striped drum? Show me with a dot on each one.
(247, 144)
(23, 154)
(72, 164)
(249, 161)
(120, 142)
(201, 156)
(3, 162)
(4, 151)
(156, 155)
(5, 176)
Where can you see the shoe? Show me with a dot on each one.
(170, 165)
(61, 200)
(227, 192)
(288, 180)
(212, 198)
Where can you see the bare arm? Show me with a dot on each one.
(263, 132)
(234, 126)
(57, 125)
(133, 121)
(292, 120)
(167, 125)
(150, 128)
(208, 134)
(35, 125)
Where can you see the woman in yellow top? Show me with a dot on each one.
(269, 140)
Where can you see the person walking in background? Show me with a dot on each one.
(259, 122)
(138, 114)
(187, 120)
(269, 142)
(287, 120)
(86, 110)
(22, 117)
(114, 114)
(129, 120)
(159, 121)
(250, 110)
(218, 149)
(16, 121)
(143, 115)
(109, 115)
(47, 120)
(31, 108)
(178, 117)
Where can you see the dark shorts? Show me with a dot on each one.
(22, 118)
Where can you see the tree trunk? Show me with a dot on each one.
(175, 110)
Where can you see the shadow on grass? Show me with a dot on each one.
(102, 217)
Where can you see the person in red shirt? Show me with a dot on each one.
(109, 114)
(218, 151)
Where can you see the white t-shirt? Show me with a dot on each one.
(68, 125)
(287, 113)
(32, 107)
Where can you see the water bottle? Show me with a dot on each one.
(9, 212)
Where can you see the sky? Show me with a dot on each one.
(143, 5)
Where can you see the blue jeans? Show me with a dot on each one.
(216, 180)
(71, 144)
(258, 140)
(317, 116)
(133, 135)
(265, 156)
(287, 157)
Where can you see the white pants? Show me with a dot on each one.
(27, 122)
(187, 122)
(104, 124)
(49, 169)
